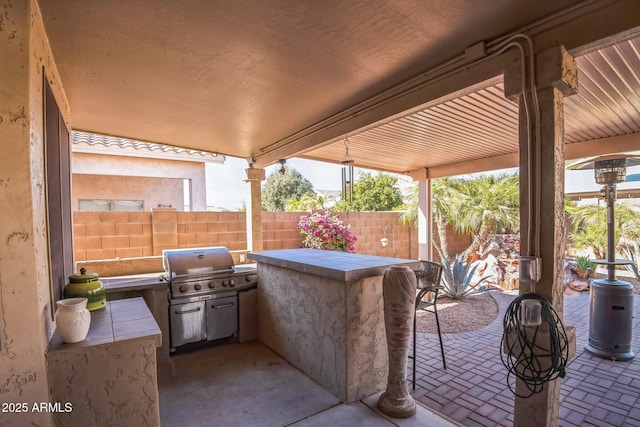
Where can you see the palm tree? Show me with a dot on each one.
(447, 195)
(308, 202)
(477, 206)
(444, 191)
(590, 226)
(488, 204)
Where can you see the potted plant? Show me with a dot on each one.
(584, 267)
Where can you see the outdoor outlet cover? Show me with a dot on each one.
(530, 312)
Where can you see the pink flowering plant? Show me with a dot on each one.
(324, 230)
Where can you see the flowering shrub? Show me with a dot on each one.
(324, 230)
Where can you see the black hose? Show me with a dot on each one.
(533, 361)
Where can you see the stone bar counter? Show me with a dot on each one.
(110, 378)
(323, 311)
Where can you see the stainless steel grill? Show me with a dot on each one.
(203, 293)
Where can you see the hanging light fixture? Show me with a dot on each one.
(347, 173)
(282, 170)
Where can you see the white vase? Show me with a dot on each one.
(73, 319)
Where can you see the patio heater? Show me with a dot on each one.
(611, 306)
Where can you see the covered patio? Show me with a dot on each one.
(428, 89)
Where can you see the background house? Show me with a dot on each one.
(118, 174)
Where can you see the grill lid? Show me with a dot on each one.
(196, 262)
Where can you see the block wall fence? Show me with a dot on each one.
(112, 235)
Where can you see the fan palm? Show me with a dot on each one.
(590, 226)
(477, 206)
(489, 203)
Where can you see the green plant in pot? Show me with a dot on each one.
(584, 267)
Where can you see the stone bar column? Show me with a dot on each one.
(255, 177)
(399, 293)
(556, 77)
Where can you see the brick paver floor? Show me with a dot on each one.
(473, 389)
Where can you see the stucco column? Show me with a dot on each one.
(542, 230)
(255, 177)
(425, 214)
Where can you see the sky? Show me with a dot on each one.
(226, 189)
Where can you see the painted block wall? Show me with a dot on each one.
(110, 235)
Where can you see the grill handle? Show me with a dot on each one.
(216, 307)
(194, 310)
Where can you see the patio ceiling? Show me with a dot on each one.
(239, 78)
(479, 130)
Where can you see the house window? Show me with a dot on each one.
(110, 205)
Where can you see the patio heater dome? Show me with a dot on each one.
(611, 305)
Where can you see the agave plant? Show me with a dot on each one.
(629, 250)
(457, 276)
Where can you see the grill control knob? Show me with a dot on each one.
(198, 287)
(224, 283)
(232, 283)
(252, 277)
(211, 285)
(182, 289)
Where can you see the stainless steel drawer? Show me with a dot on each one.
(222, 317)
(188, 323)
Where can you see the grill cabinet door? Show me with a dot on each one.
(187, 323)
(222, 317)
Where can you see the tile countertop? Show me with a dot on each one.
(121, 320)
(135, 282)
(336, 265)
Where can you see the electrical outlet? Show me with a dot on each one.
(242, 258)
(530, 269)
(530, 312)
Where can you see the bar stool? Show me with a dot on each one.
(428, 280)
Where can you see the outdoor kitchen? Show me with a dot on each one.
(322, 311)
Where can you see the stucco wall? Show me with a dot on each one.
(153, 191)
(25, 319)
(125, 167)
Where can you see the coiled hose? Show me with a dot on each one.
(526, 352)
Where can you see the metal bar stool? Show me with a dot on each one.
(428, 280)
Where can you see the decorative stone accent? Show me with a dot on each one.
(399, 291)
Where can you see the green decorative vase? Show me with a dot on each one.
(86, 285)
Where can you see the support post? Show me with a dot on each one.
(255, 176)
(425, 215)
(542, 228)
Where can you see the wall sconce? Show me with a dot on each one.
(385, 241)
(282, 170)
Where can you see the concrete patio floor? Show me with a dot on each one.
(473, 389)
(248, 385)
